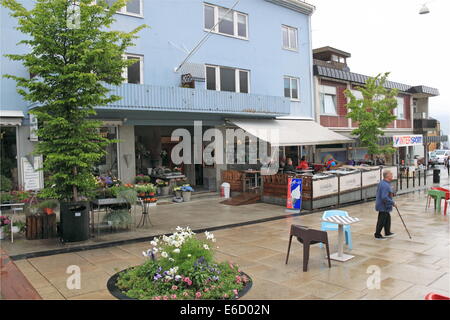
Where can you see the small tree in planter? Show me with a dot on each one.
(373, 113)
(72, 54)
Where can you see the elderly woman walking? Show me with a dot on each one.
(384, 204)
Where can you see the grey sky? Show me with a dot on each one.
(387, 35)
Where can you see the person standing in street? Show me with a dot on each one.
(384, 204)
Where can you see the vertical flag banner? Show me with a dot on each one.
(294, 195)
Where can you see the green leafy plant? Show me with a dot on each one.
(73, 59)
(5, 184)
(50, 204)
(128, 195)
(118, 218)
(6, 197)
(373, 113)
(181, 266)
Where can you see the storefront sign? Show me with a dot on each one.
(325, 187)
(349, 182)
(409, 140)
(32, 178)
(370, 178)
(294, 194)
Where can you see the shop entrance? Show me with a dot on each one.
(8, 149)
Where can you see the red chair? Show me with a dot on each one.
(447, 196)
(435, 296)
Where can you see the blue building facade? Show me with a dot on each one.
(255, 63)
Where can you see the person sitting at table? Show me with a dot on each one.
(303, 164)
(331, 163)
(289, 166)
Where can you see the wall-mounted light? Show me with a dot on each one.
(424, 9)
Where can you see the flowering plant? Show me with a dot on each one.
(181, 266)
(4, 221)
(186, 188)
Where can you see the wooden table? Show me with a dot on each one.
(341, 221)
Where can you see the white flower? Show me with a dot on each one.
(155, 250)
(168, 277)
(171, 259)
(179, 228)
(164, 254)
(176, 251)
(209, 235)
(144, 254)
(178, 277)
(189, 255)
(206, 247)
(154, 243)
(213, 240)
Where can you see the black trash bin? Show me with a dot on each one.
(74, 221)
(436, 175)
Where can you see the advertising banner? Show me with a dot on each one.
(325, 187)
(294, 195)
(350, 182)
(407, 141)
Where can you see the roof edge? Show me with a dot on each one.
(296, 5)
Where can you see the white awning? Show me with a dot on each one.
(290, 132)
(11, 117)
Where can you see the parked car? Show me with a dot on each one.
(439, 156)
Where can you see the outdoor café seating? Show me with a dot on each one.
(308, 237)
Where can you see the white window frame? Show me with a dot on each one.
(124, 11)
(397, 109)
(328, 91)
(236, 78)
(289, 47)
(235, 22)
(290, 87)
(141, 67)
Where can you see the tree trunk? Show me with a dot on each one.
(74, 187)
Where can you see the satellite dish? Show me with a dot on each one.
(424, 9)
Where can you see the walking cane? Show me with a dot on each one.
(403, 223)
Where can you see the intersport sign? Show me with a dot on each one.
(409, 140)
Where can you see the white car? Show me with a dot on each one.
(440, 156)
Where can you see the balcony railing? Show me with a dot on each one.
(156, 98)
(422, 125)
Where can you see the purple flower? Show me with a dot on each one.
(157, 276)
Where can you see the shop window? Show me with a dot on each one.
(108, 165)
(8, 149)
(232, 23)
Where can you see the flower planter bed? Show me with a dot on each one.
(117, 292)
(180, 267)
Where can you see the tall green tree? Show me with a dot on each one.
(373, 113)
(73, 54)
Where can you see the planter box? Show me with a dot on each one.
(187, 196)
(41, 227)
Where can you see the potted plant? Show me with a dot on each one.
(186, 191)
(48, 206)
(163, 187)
(139, 179)
(177, 191)
(4, 225)
(6, 198)
(118, 218)
(181, 267)
(146, 179)
(151, 190)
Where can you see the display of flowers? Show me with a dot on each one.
(186, 188)
(182, 266)
(4, 221)
(107, 181)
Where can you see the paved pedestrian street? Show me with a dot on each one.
(404, 269)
